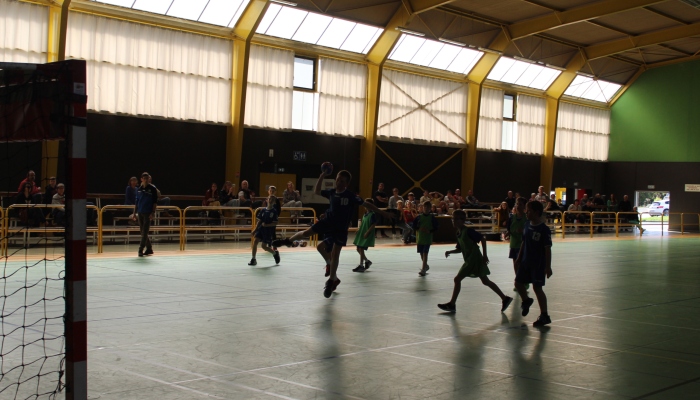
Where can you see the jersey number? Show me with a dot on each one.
(536, 236)
(344, 202)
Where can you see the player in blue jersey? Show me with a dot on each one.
(265, 231)
(335, 225)
(534, 261)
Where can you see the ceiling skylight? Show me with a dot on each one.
(431, 53)
(523, 73)
(585, 87)
(215, 12)
(303, 26)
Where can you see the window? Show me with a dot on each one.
(586, 87)
(304, 73)
(509, 138)
(521, 73)
(435, 54)
(305, 99)
(215, 12)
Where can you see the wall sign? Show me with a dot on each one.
(299, 156)
(692, 187)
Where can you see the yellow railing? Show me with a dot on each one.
(313, 240)
(221, 229)
(134, 228)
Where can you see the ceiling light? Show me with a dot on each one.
(587, 75)
(558, 68)
(486, 50)
(410, 32)
(286, 3)
(452, 42)
(524, 60)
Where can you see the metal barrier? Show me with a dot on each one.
(683, 222)
(26, 231)
(222, 229)
(553, 215)
(608, 219)
(619, 224)
(292, 227)
(127, 229)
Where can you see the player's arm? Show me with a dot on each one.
(374, 208)
(457, 249)
(483, 247)
(548, 261)
(520, 255)
(319, 184)
(370, 230)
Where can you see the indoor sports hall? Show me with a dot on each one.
(149, 148)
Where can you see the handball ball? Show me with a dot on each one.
(327, 168)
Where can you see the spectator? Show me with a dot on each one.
(510, 200)
(291, 198)
(29, 216)
(392, 207)
(625, 205)
(551, 207)
(533, 197)
(50, 190)
(473, 202)
(249, 197)
(144, 211)
(35, 190)
(502, 213)
(574, 214)
(228, 196)
(459, 200)
(426, 197)
(584, 199)
(612, 203)
(130, 194)
(436, 198)
(405, 219)
(450, 200)
(541, 196)
(59, 213)
(162, 201)
(381, 201)
(411, 199)
(598, 203)
(211, 199)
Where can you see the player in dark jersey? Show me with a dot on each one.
(534, 261)
(335, 225)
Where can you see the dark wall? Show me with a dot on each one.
(417, 161)
(343, 152)
(16, 160)
(499, 172)
(183, 157)
(589, 175)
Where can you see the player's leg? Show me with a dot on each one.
(451, 306)
(333, 281)
(255, 251)
(267, 248)
(324, 249)
(505, 300)
(361, 267)
(544, 318)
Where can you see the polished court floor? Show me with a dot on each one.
(204, 324)
(626, 325)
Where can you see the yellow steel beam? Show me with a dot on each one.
(577, 14)
(419, 6)
(629, 83)
(647, 39)
(58, 26)
(375, 59)
(243, 33)
(475, 79)
(554, 93)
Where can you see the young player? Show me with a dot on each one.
(534, 261)
(335, 225)
(475, 264)
(514, 231)
(364, 238)
(265, 231)
(424, 225)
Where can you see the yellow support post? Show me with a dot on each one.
(244, 31)
(376, 58)
(475, 79)
(554, 93)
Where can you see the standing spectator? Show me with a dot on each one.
(130, 194)
(541, 196)
(59, 213)
(380, 201)
(510, 200)
(144, 211)
(392, 207)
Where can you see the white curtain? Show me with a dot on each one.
(420, 108)
(270, 88)
(23, 32)
(490, 120)
(143, 70)
(582, 132)
(343, 89)
(531, 119)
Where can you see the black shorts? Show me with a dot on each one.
(265, 235)
(531, 274)
(334, 233)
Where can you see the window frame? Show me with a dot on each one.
(514, 96)
(314, 85)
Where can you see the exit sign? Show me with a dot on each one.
(299, 156)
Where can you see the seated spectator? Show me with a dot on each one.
(162, 201)
(59, 213)
(291, 196)
(634, 219)
(425, 197)
(228, 196)
(35, 190)
(29, 216)
(249, 197)
(612, 203)
(392, 207)
(552, 206)
(459, 200)
(436, 199)
(510, 200)
(211, 199)
(411, 198)
(473, 202)
(50, 190)
(598, 203)
(130, 194)
(408, 214)
(433, 209)
(502, 212)
(450, 200)
(574, 213)
(625, 205)
(533, 197)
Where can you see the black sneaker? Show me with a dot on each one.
(277, 257)
(282, 242)
(359, 268)
(253, 262)
(421, 272)
(506, 303)
(542, 320)
(148, 252)
(526, 306)
(328, 270)
(330, 287)
(447, 307)
(368, 263)
(140, 252)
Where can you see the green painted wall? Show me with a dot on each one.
(657, 118)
